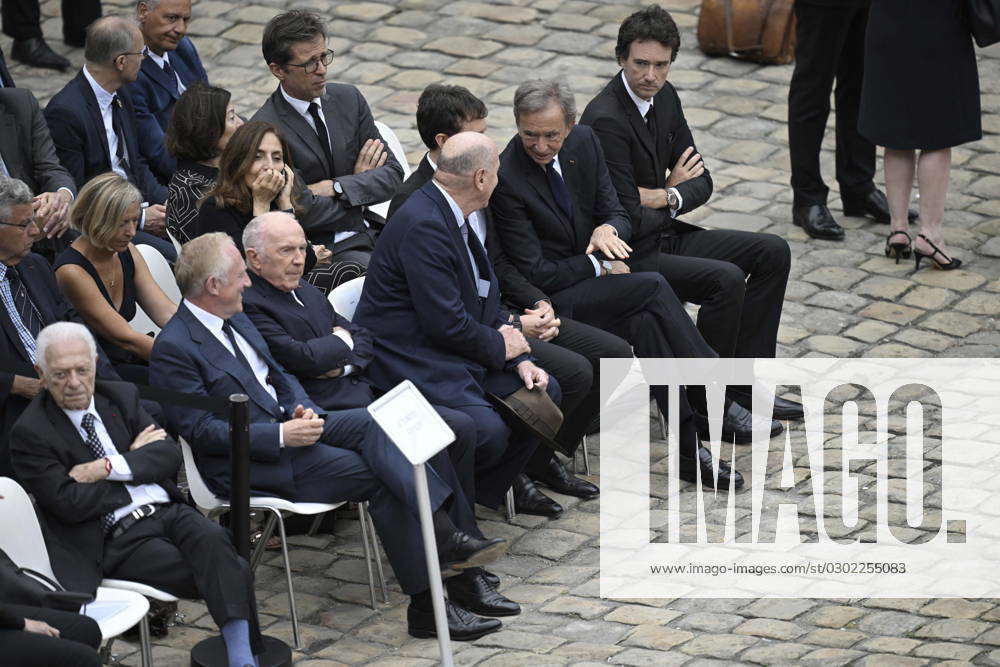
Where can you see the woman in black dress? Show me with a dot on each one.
(920, 92)
(105, 277)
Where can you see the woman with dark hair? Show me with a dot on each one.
(105, 277)
(202, 123)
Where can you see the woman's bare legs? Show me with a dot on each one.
(933, 170)
(899, 166)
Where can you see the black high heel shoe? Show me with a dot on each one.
(898, 250)
(951, 264)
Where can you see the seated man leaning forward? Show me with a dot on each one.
(432, 301)
(211, 348)
(101, 472)
(329, 355)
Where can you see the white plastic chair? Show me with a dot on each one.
(164, 277)
(209, 502)
(344, 298)
(21, 539)
(396, 147)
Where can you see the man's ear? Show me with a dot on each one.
(41, 375)
(439, 139)
(277, 70)
(141, 11)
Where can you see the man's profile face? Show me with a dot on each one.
(543, 132)
(646, 67)
(132, 63)
(165, 26)
(298, 82)
(229, 291)
(17, 234)
(71, 373)
(284, 256)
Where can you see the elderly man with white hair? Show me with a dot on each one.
(101, 472)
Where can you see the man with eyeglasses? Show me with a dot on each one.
(334, 143)
(29, 301)
(93, 124)
(171, 65)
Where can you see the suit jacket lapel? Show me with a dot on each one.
(448, 219)
(339, 131)
(634, 117)
(9, 145)
(301, 128)
(571, 175)
(114, 423)
(156, 73)
(94, 110)
(540, 182)
(65, 429)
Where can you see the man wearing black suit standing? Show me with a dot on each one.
(334, 143)
(101, 472)
(93, 126)
(22, 20)
(738, 278)
(6, 80)
(560, 222)
(830, 45)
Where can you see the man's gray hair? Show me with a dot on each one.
(62, 332)
(109, 37)
(202, 258)
(254, 233)
(466, 163)
(536, 95)
(13, 193)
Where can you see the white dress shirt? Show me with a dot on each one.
(165, 59)
(302, 107)
(141, 494)
(644, 107)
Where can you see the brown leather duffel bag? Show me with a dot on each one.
(758, 30)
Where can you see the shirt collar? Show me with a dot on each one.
(643, 105)
(76, 416)
(555, 165)
(299, 105)
(456, 211)
(159, 60)
(431, 162)
(103, 97)
(212, 322)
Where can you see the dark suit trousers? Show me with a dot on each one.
(574, 357)
(830, 45)
(22, 19)
(76, 646)
(185, 554)
(738, 316)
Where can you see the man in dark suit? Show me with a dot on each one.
(830, 45)
(432, 301)
(559, 219)
(93, 125)
(296, 451)
(22, 20)
(101, 472)
(171, 65)
(334, 143)
(329, 355)
(29, 300)
(27, 154)
(6, 80)
(738, 278)
(569, 350)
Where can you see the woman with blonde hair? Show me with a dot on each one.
(105, 277)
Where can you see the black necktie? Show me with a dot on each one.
(324, 138)
(559, 189)
(650, 122)
(237, 352)
(94, 445)
(169, 71)
(116, 125)
(22, 302)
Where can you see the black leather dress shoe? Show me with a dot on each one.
(558, 478)
(37, 53)
(783, 408)
(873, 205)
(737, 424)
(473, 592)
(688, 467)
(463, 626)
(529, 500)
(462, 551)
(817, 222)
(490, 577)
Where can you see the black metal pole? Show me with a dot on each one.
(239, 492)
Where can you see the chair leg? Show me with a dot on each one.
(663, 424)
(511, 512)
(368, 552)
(586, 456)
(258, 551)
(316, 524)
(377, 554)
(145, 647)
(288, 576)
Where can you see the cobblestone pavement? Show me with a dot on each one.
(844, 299)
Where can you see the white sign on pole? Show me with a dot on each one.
(419, 431)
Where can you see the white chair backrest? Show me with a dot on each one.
(173, 240)
(162, 273)
(344, 298)
(382, 208)
(202, 495)
(20, 533)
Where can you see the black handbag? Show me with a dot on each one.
(984, 21)
(20, 585)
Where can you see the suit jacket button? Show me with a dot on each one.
(273, 420)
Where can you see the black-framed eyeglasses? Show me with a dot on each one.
(312, 64)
